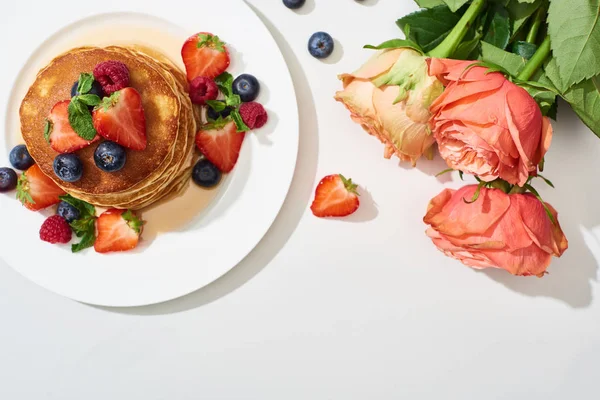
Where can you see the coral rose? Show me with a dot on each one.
(511, 232)
(390, 97)
(486, 125)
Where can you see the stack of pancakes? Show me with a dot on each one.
(164, 167)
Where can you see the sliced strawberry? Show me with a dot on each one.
(120, 118)
(36, 191)
(59, 132)
(204, 55)
(335, 196)
(221, 143)
(117, 230)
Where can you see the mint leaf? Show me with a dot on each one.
(85, 83)
(216, 105)
(89, 99)
(84, 208)
(395, 44)
(233, 100)
(85, 226)
(498, 27)
(585, 101)
(225, 83)
(574, 27)
(454, 5)
(239, 122)
(47, 130)
(87, 240)
(429, 3)
(428, 28)
(80, 119)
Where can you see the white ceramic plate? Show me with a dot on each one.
(191, 241)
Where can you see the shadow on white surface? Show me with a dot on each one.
(288, 219)
(307, 8)
(576, 195)
(368, 3)
(431, 167)
(336, 55)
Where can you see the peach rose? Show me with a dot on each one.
(390, 97)
(486, 125)
(511, 232)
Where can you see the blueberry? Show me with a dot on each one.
(68, 212)
(320, 45)
(293, 4)
(206, 174)
(8, 179)
(20, 158)
(96, 89)
(68, 167)
(110, 156)
(213, 115)
(247, 87)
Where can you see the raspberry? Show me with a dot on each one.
(203, 89)
(112, 75)
(254, 114)
(55, 230)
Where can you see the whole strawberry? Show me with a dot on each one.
(56, 230)
(335, 196)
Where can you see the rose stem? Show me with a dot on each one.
(453, 40)
(537, 23)
(536, 61)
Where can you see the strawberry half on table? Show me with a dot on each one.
(220, 142)
(335, 196)
(121, 118)
(117, 230)
(36, 191)
(60, 134)
(204, 54)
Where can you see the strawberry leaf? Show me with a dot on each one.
(133, 221)
(47, 130)
(210, 41)
(23, 190)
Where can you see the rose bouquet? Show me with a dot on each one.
(480, 79)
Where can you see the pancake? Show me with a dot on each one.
(162, 168)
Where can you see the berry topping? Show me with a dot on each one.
(204, 55)
(59, 132)
(112, 75)
(36, 191)
(110, 156)
(335, 196)
(68, 211)
(203, 89)
(293, 4)
(20, 158)
(8, 180)
(120, 118)
(254, 115)
(320, 45)
(213, 115)
(247, 87)
(220, 142)
(117, 230)
(206, 174)
(68, 167)
(96, 89)
(56, 230)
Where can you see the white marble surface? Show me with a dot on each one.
(358, 309)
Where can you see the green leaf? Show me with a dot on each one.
(395, 44)
(546, 99)
(233, 100)
(47, 130)
(225, 83)
(133, 221)
(239, 122)
(455, 5)
(208, 40)
(23, 190)
(476, 194)
(548, 181)
(80, 119)
(509, 61)
(428, 28)
(85, 83)
(216, 105)
(524, 49)
(574, 27)
(444, 172)
(498, 27)
(520, 12)
(87, 240)
(429, 3)
(537, 195)
(585, 101)
(89, 99)
(84, 208)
